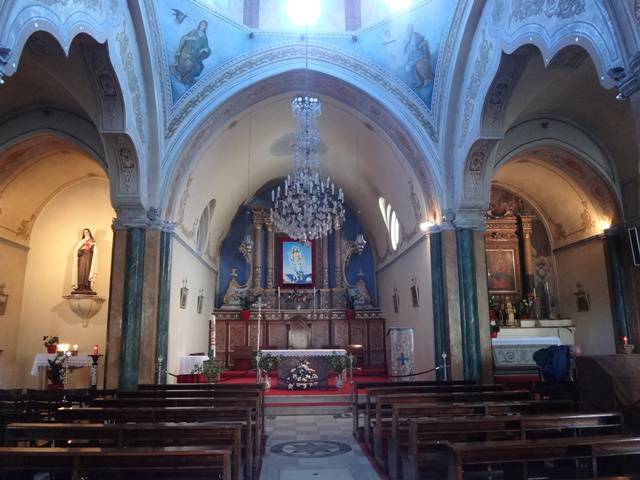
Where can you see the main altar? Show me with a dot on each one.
(295, 295)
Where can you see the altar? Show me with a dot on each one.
(317, 358)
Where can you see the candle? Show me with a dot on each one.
(625, 340)
(75, 347)
(96, 348)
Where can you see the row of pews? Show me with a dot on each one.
(460, 430)
(182, 431)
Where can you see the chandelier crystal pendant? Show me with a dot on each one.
(307, 207)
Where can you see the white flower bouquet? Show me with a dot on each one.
(302, 377)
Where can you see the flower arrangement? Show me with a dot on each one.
(302, 377)
(51, 343)
(211, 370)
(268, 363)
(339, 363)
(55, 372)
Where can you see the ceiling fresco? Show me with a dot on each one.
(200, 38)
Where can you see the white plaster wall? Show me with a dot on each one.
(585, 264)
(415, 262)
(48, 276)
(13, 262)
(188, 330)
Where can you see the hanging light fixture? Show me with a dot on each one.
(307, 206)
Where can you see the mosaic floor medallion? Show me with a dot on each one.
(311, 449)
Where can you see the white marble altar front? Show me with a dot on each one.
(514, 347)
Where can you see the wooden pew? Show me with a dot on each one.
(358, 386)
(390, 387)
(200, 386)
(171, 414)
(427, 434)
(246, 401)
(518, 453)
(395, 435)
(383, 404)
(107, 463)
(211, 435)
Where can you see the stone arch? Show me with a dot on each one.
(98, 22)
(488, 155)
(423, 163)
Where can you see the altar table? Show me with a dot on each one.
(318, 358)
(41, 364)
(187, 363)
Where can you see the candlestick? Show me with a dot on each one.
(625, 340)
(96, 349)
(278, 299)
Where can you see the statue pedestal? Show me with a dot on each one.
(84, 305)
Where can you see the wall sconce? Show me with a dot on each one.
(4, 298)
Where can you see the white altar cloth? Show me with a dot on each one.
(305, 352)
(40, 360)
(187, 363)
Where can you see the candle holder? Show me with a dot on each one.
(93, 373)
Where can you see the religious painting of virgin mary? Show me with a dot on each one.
(501, 271)
(296, 262)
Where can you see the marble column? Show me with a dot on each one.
(527, 253)
(482, 299)
(149, 318)
(468, 304)
(116, 297)
(338, 281)
(132, 309)
(257, 254)
(437, 292)
(164, 296)
(325, 291)
(452, 303)
(614, 244)
(271, 246)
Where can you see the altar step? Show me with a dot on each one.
(307, 404)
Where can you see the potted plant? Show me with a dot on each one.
(339, 364)
(494, 330)
(55, 373)
(268, 363)
(211, 370)
(51, 343)
(350, 311)
(247, 300)
(197, 375)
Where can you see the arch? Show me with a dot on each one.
(424, 167)
(487, 156)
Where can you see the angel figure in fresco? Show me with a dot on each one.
(191, 52)
(418, 54)
(85, 264)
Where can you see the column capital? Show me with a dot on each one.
(471, 218)
(628, 80)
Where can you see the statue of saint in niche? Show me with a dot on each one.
(85, 264)
(191, 52)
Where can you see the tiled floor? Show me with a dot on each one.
(311, 458)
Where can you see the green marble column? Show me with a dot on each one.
(469, 320)
(132, 309)
(617, 288)
(437, 288)
(164, 294)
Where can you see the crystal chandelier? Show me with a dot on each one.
(307, 207)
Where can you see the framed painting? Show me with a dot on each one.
(296, 263)
(501, 270)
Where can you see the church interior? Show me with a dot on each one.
(345, 239)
